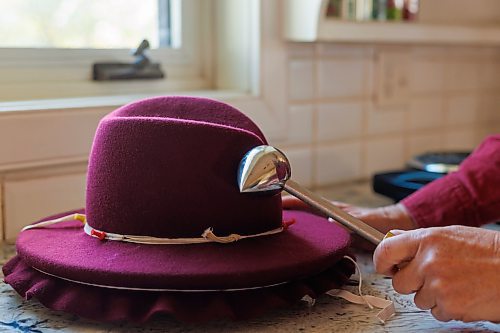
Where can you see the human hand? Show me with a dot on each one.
(454, 271)
(291, 202)
(383, 219)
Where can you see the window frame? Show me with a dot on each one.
(61, 73)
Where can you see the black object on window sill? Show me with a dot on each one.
(141, 68)
(422, 170)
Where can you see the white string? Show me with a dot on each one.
(43, 224)
(159, 289)
(207, 236)
(387, 306)
(360, 281)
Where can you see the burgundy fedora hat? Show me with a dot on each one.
(166, 227)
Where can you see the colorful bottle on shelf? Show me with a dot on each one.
(372, 10)
(379, 11)
(334, 8)
(364, 10)
(410, 10)
(349, 9)
(395, 10)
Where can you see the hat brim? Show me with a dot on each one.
(311, 246)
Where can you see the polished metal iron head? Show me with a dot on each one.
(263, 168)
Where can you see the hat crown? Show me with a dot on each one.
(167, 167)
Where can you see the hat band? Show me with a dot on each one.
(207, 236)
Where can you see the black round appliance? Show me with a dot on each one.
(422, 169)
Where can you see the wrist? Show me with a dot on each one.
(399, 218)
(386, 218)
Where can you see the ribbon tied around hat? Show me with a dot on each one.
(207, 236)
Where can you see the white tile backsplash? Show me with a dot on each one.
(338, 163)
(432, 52)
(424, 142)
(460, 139)
(344, 51)
(301, 80)
(489, 110)
(391, 78)
(338, 130)
(384, 154)
(461, 110)
(341, 78)
(301, 50)
(485, 131)
(461, 76)
(425, 113)
(489, 77)
(301, 160)
(386, 120)
(300, 125)
(426, 77)
(339, 121)
(468, 54)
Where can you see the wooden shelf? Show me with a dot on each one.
(306, 21)
(410, 32)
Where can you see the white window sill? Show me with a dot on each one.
(108, 101)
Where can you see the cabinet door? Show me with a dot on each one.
(28, 200)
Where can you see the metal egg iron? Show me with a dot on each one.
(265, 168)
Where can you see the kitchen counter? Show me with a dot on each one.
(328, 314)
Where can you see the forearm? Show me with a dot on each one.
(441, 203)
(470, 196)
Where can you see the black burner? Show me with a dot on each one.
(422, 169)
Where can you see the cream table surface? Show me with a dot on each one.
(329, 314)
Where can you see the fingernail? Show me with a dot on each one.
(388, 235)
(393, 233)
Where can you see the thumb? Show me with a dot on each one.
(395, 250)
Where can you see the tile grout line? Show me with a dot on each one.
(315, 119)
(3, 227)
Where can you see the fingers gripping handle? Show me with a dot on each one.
(326, 207)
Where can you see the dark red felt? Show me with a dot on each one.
(139, 306)
(308, 247)
(190, 108)
(166, 167)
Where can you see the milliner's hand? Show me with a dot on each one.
(382, 218)
(455, 271)
(291, 202)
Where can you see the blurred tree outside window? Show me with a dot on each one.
(89, 24)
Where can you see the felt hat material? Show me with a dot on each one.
(166, 167)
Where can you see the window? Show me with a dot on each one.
(48, 47)
(88, 24)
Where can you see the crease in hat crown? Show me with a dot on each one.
(166, 167)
